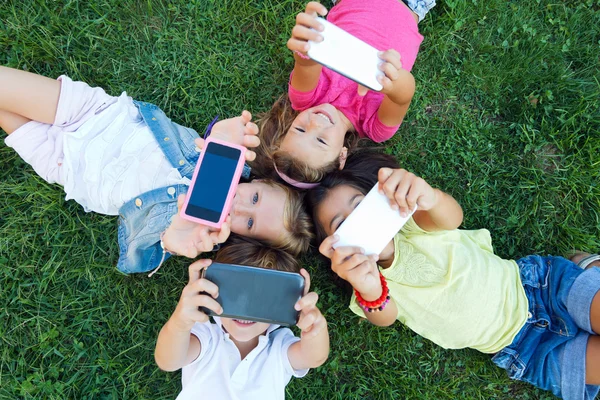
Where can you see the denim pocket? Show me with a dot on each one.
(508, 359)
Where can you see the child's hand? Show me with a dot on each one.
(302, 32)
(391, 66)
(189, 238)
(311, 321)
(239, 130)
(352, 265)
(406, 190)
(187, 312)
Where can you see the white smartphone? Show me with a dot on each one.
(372, 224)
(347, 55)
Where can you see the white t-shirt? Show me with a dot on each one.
(219, 373)
(114, 157)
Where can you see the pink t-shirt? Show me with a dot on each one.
(384, 24)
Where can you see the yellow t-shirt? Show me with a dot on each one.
(452, 289)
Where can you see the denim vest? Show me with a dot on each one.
(143, 218)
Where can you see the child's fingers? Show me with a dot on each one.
(390, 71)
(204, 285)
(199, 142)
(203, 242)
(390, 186)
(307, 320)
(251, 141)
(341, 254)
(382, 175)
(391, 56)
(303, 33)
(180, 201)
(250, 128)
(386, 83)
(195, 269)
(208, 302)
(246, 116)
(250, 155)
(306, 277)
(223, 234)
(307, 301)
(415, 192)
(326, 247)
(362, 90)
(316, 8)
(343, 269)
(309, 21)
(199, 316)
(301, 46)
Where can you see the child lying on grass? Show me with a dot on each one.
(540, 316)
(235, 359)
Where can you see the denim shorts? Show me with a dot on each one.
(549, 351)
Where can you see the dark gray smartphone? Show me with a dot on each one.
(256, 294)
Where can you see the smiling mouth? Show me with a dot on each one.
(324, 116)
(243, 322)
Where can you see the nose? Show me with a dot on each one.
(240, 209)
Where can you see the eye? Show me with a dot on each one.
(250, 223)
(300, 129)
(255, 198)
(321, 141)
(339, 224)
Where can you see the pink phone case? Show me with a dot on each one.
(230, 194)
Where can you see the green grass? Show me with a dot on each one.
(506, 118)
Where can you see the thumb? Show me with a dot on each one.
(180, 201)
(362, 90)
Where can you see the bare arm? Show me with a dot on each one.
(306, 72)
(176, 347)
(436, 210)
(395, 104)
(313, 348)
(385, 317)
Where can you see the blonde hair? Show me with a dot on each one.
(273, 126)
(297, 222)
(245, 251)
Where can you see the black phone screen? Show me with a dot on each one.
(256, 294)
(213, 182)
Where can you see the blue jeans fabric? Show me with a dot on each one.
(549, 351)
(143, 218)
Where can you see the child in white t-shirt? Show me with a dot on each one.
(236, 359)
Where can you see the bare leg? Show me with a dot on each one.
(10, 122)
(32, 96)
(592, 361)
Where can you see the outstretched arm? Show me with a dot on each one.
(176, 347)
(398, 87)
(313, 348)
(306, 71)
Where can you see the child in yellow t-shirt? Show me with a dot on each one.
(541, 315)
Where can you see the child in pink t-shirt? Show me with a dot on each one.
(302, 147)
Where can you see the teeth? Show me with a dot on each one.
(242, 321)
(325, 117)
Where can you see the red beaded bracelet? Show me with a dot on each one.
(376, 305)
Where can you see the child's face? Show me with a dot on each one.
(257, 211)
(336, 207)
(316, 136)
(243, 331)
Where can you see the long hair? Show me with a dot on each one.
(273, 126)
(246, 251)
(360, 172)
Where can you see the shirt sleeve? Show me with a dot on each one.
(203, 332)
(377, 131)
(303, 100)
(284, 339)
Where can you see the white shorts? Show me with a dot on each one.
(41, 145)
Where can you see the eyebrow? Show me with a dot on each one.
(339, 215)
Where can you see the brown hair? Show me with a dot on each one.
(246, 251)
(360, 172)
(273, 126)
(296, 220)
